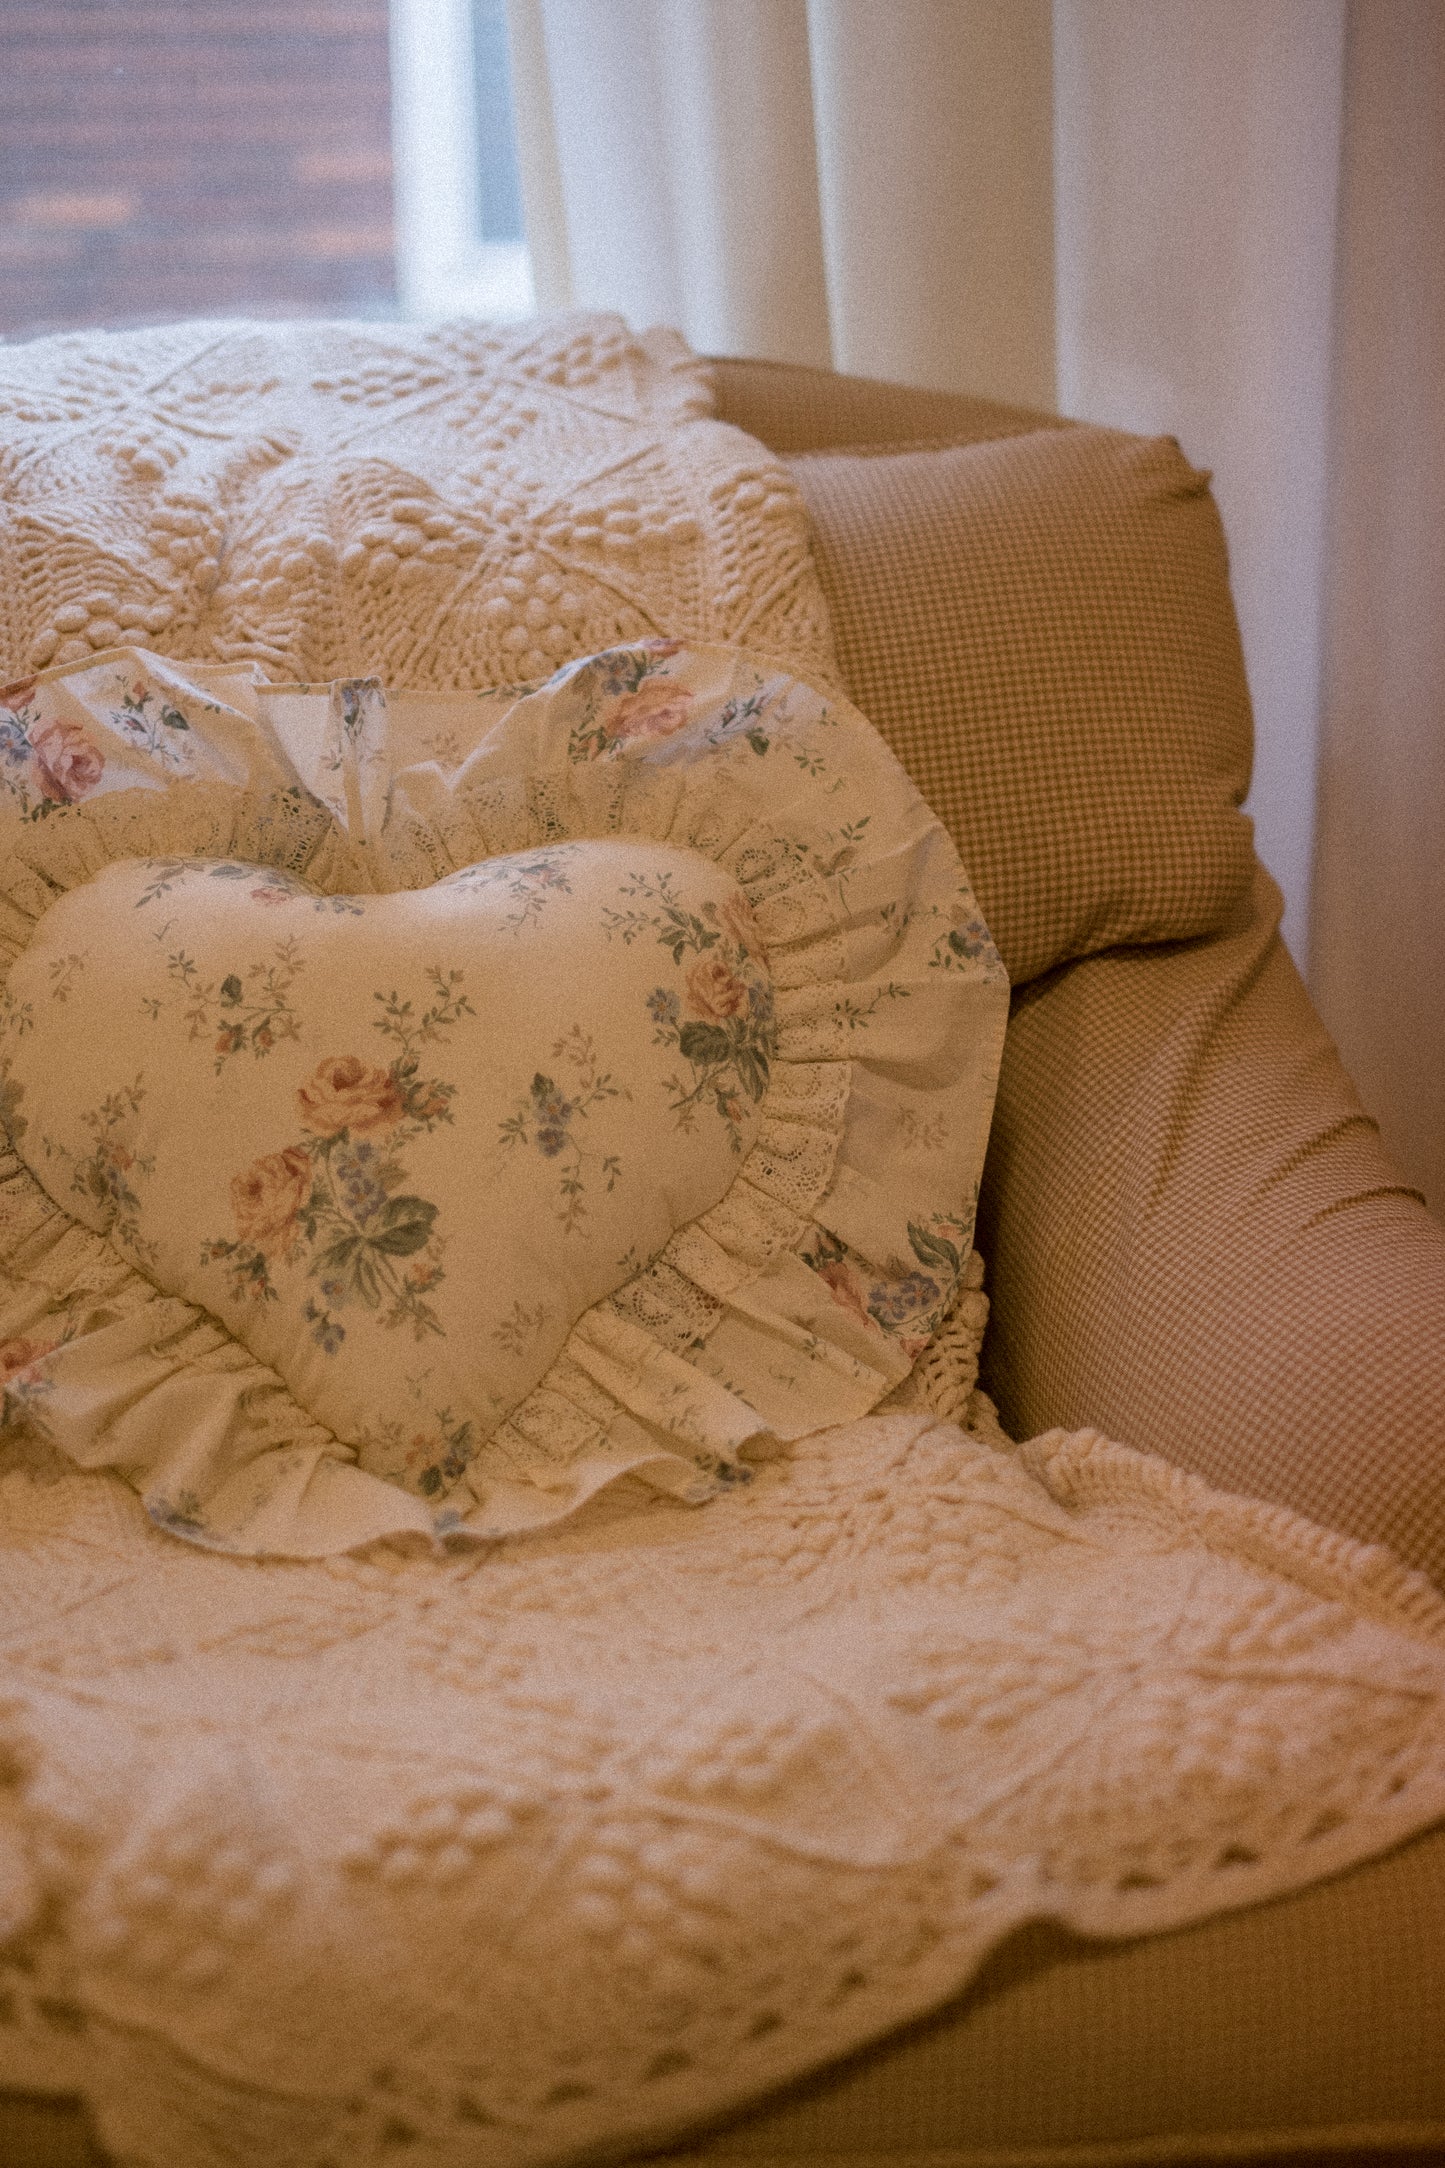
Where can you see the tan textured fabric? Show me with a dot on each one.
(1290, 2028)
(1196, 1241)
(1179, 1167)
(797, 409)
(41, 2132)
(1042, 629)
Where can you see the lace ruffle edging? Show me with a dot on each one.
(748, 1322)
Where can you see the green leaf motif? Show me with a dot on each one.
(404, 1227)
(703, 1044)
(231, 991)
(12, 1121)
(338, 1255)
(935, 1250)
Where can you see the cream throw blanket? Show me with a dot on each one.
(565, 1844)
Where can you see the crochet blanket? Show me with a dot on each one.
(572, 1843)
(444, 506)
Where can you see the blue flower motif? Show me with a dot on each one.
(663, 1007)
(359, 1173)
(899, 1300)
(14, 745)
(325, 1331)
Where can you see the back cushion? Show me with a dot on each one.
(1042, 629)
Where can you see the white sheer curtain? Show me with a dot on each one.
(1379, 898)
(1216, 218)
(861, 182)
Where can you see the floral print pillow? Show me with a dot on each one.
(397, 1150)
(420, 1119)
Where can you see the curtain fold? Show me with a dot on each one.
(861, 183)
(935, 169)
(681, 138)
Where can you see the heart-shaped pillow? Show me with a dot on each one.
(397, 1145)
(490, 1126)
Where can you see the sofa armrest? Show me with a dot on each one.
(1197, 1243)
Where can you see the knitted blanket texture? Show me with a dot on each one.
(562, 1845)
(457, 506)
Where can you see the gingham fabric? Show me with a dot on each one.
(1292, 2033)
(1196, 1241)
(1042, 629)
(797, 409)
(1194, 1238)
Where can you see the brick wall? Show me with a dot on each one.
(168, 158)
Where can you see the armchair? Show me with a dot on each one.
(1194, 1242)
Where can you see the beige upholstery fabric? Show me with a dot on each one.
(1179, 1165)
(1192, 1230)
(1277, 2031)
(38, 2132)
(796, 409)
(1196, 1241)
(1042, 629)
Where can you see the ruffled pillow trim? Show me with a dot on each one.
(727, 1337)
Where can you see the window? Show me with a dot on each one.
(171, 158)
(460, 246)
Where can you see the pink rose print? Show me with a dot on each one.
(657, 709)
(714, 991)
(335, 1204)
(267, 1197)
(16, 695)
(67, 765)
(842, 1284)
(345, 1094)
(17, 1355)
